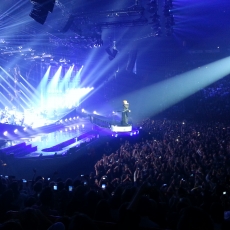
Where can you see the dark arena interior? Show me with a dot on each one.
(114, 114)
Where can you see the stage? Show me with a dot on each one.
(57, 138)
(46, 141)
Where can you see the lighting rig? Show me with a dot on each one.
(87, 26)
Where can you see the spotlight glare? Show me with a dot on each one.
(15, 131)
(5, 133)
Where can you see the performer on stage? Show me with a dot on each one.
(125, 113)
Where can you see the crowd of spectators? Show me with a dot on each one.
(175, 175)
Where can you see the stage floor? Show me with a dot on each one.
(56, 139)
(82, 128)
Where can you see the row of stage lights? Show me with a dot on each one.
(5, 133)
(130, 134)
(73, 128)
(69, 119)
(16, 131)
(25, 129)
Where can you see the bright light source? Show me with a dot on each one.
(5, 133)
(82, 125)
(25, 129)
(15, 131)
(82, 110)
(94, 112)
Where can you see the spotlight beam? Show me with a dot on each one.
(154, 99)
(10, 103)
(64, 83)
(35, 92)
(30, 94)
(8, 92)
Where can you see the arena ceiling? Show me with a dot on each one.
(75, 28)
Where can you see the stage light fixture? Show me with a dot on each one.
(15, 131)
(112, 51)
(39, 14)
(5, 133)
(41, 9)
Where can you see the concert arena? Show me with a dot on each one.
(115, 114)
